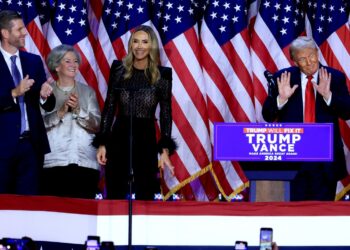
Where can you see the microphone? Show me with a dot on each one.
(271, 84)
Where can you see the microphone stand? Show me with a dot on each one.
(131, 170)
(271, 84)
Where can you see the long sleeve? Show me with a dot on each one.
(109, 109)
(165, 111)
(340, 103)
(33, 95)
(71, 137)
(89, 116)
(49, 104)
(270, 109)
(89, 113)
(7, 102)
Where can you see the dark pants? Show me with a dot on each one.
(144, 160)
(313, 182)
(19, 173)
(70, 181)
(144, 185)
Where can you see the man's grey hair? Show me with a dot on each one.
(301, 42)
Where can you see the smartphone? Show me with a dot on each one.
(93, 242)
(241, 245)
(92, 245)
(107, 245)
(266, 238)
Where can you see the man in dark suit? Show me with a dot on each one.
(23, 86)
(331, 101)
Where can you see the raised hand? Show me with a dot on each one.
(324, 83)
(24, 86)
(63, 109)
(46, 88)
(284, 89)
(73, 101)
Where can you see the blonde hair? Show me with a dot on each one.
(151, 71)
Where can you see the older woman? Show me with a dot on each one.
(71, 169)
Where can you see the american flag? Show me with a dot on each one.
(177, 24)
(69, 25)
(217, 62)
(277, 24)
(116, 21)
(225, 45)
(328, 23)
(36, 40)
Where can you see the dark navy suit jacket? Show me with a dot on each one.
(293, 112)
(10, 115)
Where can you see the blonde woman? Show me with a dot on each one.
(136, 87)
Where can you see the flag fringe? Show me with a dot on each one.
(186, 181)
(341, 194)
(234, 193)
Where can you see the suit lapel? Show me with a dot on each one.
(5, 73)
(24, 64)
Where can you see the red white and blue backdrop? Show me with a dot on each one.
(218, 50)
(57, 223)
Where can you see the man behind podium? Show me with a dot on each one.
(23, 140)
(331, 101)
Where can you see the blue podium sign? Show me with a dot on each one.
(273, 141)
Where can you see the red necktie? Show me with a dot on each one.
(309, 112)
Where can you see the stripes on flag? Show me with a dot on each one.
(69, 25)
(328, 23)
(276, 25)
(176, 23)
(218, 51)
(225, 45)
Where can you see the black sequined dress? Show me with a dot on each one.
(136, 97)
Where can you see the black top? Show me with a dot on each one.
(137, 96)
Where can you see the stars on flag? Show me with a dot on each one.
(70, 21)
(321, 15)
(172, 18)
(121, 16)
(285, 19)
(225, 19)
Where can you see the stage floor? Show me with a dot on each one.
(63, 223)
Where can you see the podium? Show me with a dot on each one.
(267, 151)
(268, 182)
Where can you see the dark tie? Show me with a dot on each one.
(309, 112)
(17, 79)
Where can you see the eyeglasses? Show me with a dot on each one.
(303, 60)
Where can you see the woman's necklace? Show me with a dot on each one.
(67, 90)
